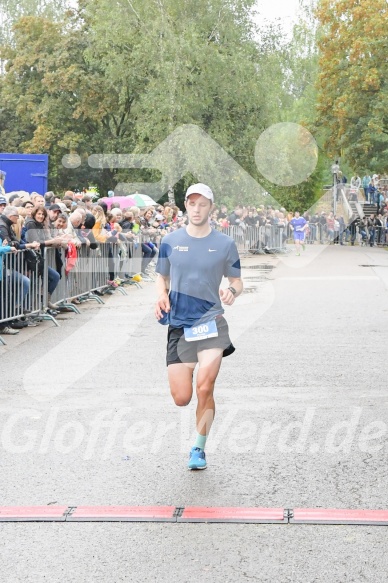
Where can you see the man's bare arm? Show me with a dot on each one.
(227, 296)
(162, 289)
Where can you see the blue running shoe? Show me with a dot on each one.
(197, 459)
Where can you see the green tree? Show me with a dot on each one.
(12, 10)
(294, 64)
(184, 62)
(58, 101)
(353, 81)
(120, 78)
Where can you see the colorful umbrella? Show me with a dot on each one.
(123, 201)
(141, 200)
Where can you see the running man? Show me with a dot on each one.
(191, 264)
(298, 226)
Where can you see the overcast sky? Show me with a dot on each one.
(272, 9)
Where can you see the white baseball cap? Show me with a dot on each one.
(200, 189)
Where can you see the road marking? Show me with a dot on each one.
(331, 278)
(179, 514)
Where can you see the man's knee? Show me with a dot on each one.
(181, 400)
(205, 389)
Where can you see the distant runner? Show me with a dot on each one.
(298, 225)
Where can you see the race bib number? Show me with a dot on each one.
(201, 331)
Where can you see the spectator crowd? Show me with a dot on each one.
(70, 223)
(73, 223)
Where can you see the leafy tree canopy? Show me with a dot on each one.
(119, 78)
(353, 81)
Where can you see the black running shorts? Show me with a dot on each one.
(179, 350)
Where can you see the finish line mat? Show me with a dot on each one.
(193, 514)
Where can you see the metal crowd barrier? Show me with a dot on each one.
(84, 279)
(22, 290)
(129, 262)
(276, 239)
(88, 275)
(258, 240)
(12, 303)
(92, 271)
(316, 233)
(75, 280)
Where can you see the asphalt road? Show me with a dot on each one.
(86, 419)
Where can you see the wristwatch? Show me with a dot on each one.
(232, 290)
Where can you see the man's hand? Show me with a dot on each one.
(227, 297)
(57, 241)
(163, 303)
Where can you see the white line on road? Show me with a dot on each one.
(331, 278)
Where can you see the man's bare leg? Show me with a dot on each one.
(180, 378)
(209, 367)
